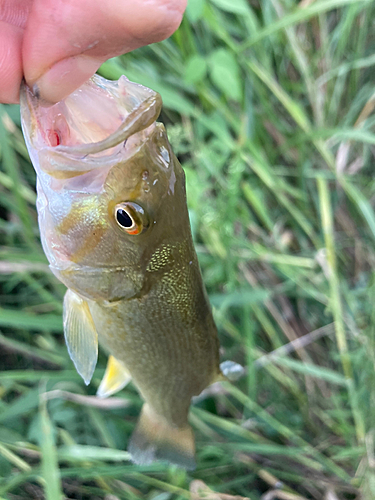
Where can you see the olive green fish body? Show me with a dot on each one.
(166, 337)
(115, 228)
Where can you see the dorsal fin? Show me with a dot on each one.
(80, 335)
(115, 378)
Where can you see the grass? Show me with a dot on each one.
(269, 106)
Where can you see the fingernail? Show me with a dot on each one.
(64, 77)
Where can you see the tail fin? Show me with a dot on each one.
(156, 439)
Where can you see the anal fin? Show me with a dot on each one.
(155, 439)
(115, 378)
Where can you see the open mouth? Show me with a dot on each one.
(90, 114)
(96, 118)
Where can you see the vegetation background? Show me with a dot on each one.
(269, 106)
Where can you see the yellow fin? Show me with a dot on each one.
(80, 335)
(115, 378)
(155, 439)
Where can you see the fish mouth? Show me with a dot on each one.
(95, 120)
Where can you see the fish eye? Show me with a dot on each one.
(131, 217)
(124, 219)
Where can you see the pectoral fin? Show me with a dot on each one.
(80, 335)
(115, 378)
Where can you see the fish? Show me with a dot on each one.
(114, 225)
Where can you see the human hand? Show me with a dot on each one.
(57, 45)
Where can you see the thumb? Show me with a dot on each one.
(66, 41)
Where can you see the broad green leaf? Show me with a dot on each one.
(196, 69)
(225, 73)
(194, 10)
(233, 6)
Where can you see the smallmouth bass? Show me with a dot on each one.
(115, 228)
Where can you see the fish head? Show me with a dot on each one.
(110, 189)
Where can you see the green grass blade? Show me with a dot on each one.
(50, 467)
(336, 303)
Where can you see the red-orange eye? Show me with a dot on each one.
(131, 217)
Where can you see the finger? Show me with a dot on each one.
(15, 12)
(10, 62)
(67, 40)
